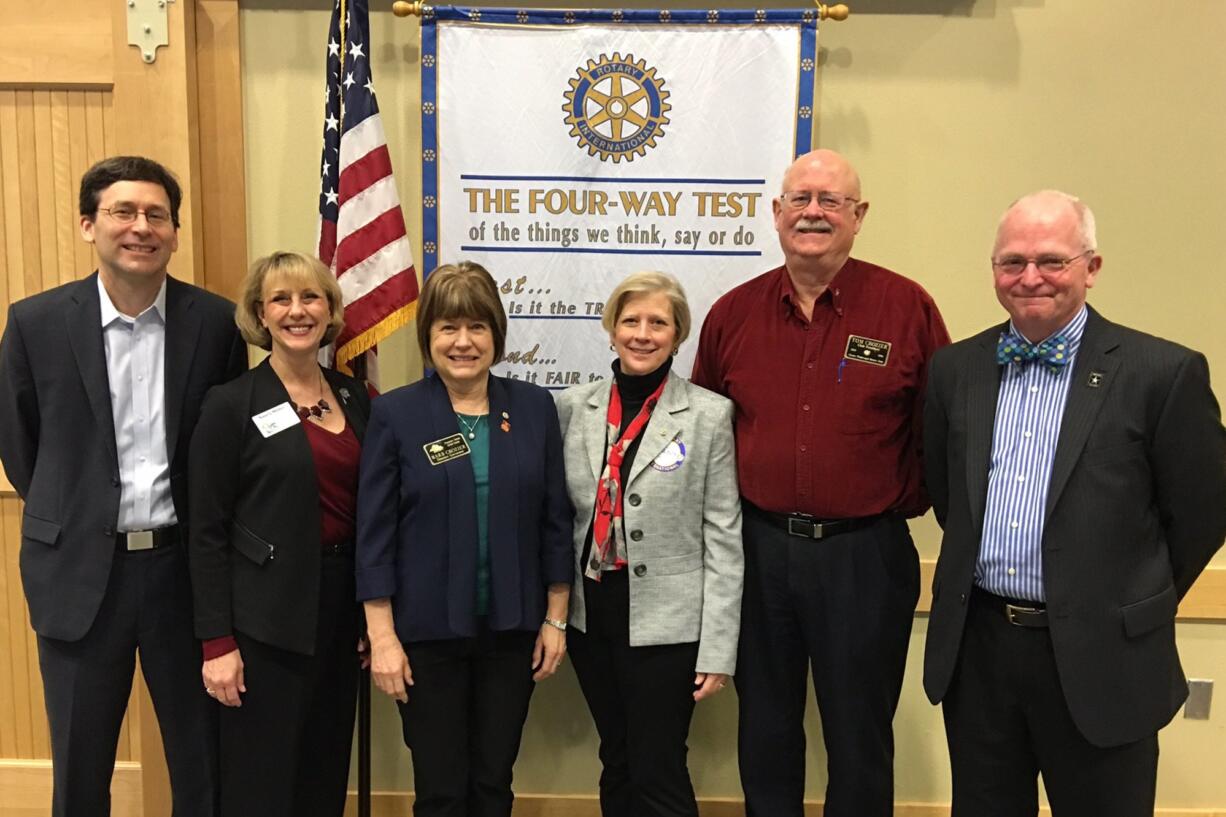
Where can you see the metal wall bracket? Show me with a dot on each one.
(147, 27)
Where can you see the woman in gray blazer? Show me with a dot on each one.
(655, 611)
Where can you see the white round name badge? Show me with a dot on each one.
(671, 457)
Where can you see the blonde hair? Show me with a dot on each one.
(648, 283)
(463, 290)
(295, 268)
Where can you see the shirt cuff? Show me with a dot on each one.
(217, 647)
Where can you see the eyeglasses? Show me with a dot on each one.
(157, 217)
(1051, 264)
(799, 199)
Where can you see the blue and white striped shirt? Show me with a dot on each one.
(1029, 408)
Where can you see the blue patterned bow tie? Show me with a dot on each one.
(1013, 348)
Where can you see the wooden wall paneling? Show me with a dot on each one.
(63, 189)
(27, 183)
(9, 712)
(24, 711)
(40, 731)
(79, 159)
(38, 46)
(6, 266)
(155, 115)
(223, 188)
(43, 202)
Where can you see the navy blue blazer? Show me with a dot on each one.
(417, 522)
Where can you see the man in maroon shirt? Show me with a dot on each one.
(826, 359)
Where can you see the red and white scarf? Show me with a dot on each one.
(607, 526)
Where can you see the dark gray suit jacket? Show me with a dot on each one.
(1135, 510)
(57, 437)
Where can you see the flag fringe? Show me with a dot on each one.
(374, 335)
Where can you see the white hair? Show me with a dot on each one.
(1085, 216)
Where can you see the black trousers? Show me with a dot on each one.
(285, 751)
(1007, 722)
(147, 607)
(642, 700)
(464, 720)
(844, 606)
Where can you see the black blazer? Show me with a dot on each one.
(57, 437)
(1136, 508)
(417, 522)
(254, 547)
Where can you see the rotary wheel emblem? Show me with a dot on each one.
(616, 107)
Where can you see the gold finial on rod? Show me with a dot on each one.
(839, 11)
(403, 8)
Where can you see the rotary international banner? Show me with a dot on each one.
(564, 150)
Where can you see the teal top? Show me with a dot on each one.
(479, 446)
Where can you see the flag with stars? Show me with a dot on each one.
(362, 236)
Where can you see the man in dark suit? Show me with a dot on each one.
(100, 386)
(1078, 469)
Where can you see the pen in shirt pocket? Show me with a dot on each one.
(838, 374)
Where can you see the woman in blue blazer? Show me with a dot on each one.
(273, 476)
(464, 558)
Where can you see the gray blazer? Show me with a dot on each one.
(682, 514)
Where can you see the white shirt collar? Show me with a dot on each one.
(110, 314)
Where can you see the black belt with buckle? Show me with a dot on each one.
(1018, 612)
(133, 540)
(808, 527)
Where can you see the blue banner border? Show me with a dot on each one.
(805, 19)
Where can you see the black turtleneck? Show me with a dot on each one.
(634, 390)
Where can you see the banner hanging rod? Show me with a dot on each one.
(404, 8)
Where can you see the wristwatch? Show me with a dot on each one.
(556, 622)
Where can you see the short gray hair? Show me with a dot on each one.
(1085, 216)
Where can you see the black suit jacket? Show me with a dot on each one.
(57, 437)
(255, 548)
(1135, 510)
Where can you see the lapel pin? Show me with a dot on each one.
(1096, 380)
(344, 393)
(505, 426)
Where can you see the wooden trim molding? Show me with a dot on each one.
(397, 804)
(25, 789)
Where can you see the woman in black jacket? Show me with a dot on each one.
(273, 480)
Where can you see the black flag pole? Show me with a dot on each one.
(364, 744)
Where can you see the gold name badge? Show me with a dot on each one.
(867, 350)
(446, 449)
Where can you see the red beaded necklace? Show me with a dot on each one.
(316, 411)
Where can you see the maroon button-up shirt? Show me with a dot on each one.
(828, 410)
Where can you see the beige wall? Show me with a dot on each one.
(950, 108)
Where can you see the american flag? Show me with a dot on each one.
(362, 236)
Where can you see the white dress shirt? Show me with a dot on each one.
(135, 370)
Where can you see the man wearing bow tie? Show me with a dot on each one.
(1078, 469)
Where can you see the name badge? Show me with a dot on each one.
(276, 419)
(671, 458)
(867, 350)
(446, 449)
